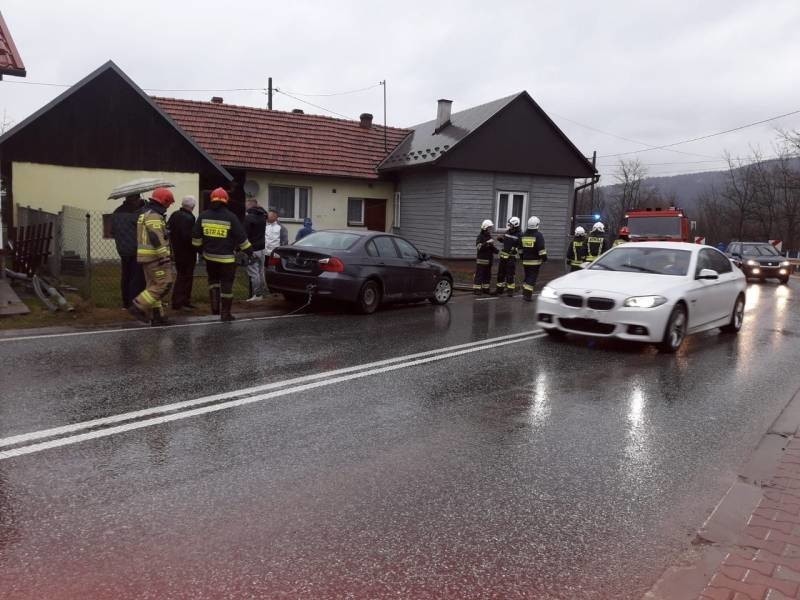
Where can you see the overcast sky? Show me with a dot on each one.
(656, 72)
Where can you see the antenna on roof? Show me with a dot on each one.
(269, 93)
(385, 143)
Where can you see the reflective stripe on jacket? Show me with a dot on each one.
(151, 235)
(596, 245)
(533, 250)
(576, 253)
(219, 234)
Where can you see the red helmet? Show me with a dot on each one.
(624, 231)
(219, 195)
(163, 196)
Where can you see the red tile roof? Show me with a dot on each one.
(271, 140)
(10, 60)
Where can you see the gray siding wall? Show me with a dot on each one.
(423, 210)
(473, 197)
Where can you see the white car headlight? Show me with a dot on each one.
(751, 263)
(549, 293)
(786, 263)
(644, 301)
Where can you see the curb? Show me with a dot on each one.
(727, 521)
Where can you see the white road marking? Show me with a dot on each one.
(28, 437)
(144, 328)
(74, 439)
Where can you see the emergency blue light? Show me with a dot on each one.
(597, 217)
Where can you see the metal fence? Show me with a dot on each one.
(83, 255)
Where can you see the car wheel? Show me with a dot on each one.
(368, 298)
(443, 291)
(293, 298)
(675, 332)
(785, 281)
(737, 316)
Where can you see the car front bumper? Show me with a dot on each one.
(634, 324)
(766, 272)
(335, 286)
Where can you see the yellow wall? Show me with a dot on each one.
(50, 187)
(328, 208)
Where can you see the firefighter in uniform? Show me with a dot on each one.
(624, 236)
(596, 243)
(218, 234)
(485, 256)
(533, 255)
(507, 265)
(153, 253)
(576, 253)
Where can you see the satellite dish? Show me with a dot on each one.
(251, 188)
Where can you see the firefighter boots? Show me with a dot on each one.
(225, 314)
(213, 294)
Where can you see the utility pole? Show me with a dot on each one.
(269, 93)
(385, 143)
(594, 164)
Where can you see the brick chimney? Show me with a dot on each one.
(216, 99)
(366, 120)
(297, 111)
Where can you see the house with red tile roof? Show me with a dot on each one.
(433, 183)
(10, 60)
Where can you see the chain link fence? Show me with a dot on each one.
(84, 256)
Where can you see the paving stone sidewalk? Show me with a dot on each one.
(764, 562)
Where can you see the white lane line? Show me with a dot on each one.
(28, 437)
(484, 299)
(145, 328)
(74, 439)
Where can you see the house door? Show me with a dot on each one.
(375, 214)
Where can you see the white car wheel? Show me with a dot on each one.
(737, 316)
(675, 332)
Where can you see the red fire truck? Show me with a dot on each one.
(659, 224)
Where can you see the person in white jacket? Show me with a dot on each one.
(275, 234)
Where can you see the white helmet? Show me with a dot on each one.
(486, 224)
(533, 223)
(514, 221)
(599, 227)
(580, 231)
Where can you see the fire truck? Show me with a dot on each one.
(659, 224)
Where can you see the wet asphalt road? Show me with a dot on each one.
(521, 468)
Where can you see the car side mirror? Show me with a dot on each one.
(424, 256)
(707, 274)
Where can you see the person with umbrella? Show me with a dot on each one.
(123, 230)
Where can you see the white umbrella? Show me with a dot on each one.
(138, 186)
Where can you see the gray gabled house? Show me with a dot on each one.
(494, 161)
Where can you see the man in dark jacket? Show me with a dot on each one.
(219, 234)
(534, 255)
(507, 266)
(180, 226)
(123, 229)
(307, 229)
(255, 222)
(484, 245)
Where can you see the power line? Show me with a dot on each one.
(64, 85)
(622, 137)
(333, 112)
(705, 137)
(372, 87)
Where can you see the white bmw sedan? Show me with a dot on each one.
(657, 292)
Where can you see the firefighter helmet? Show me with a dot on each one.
(486, 224)
(580, 231)
(163, 196)
(599, 227)
(514, 221)
(533, 223)
(219, 195)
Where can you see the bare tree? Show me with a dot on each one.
(630, 193)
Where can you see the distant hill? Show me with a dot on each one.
(688, 187)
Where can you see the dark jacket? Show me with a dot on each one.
(180, 225)
(484, 244)
(219, 234)
(123, 227)
(576, 253)
(511, 242)
(596, 244)
(254, 222)
(305, 230)
(533, 250)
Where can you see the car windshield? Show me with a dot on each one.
(654, 226)
(330, 240)
(759, 250)
(633, 259)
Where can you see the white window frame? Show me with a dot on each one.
(500, 223)
(396, 223)
(355, 223)
(294, 218)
